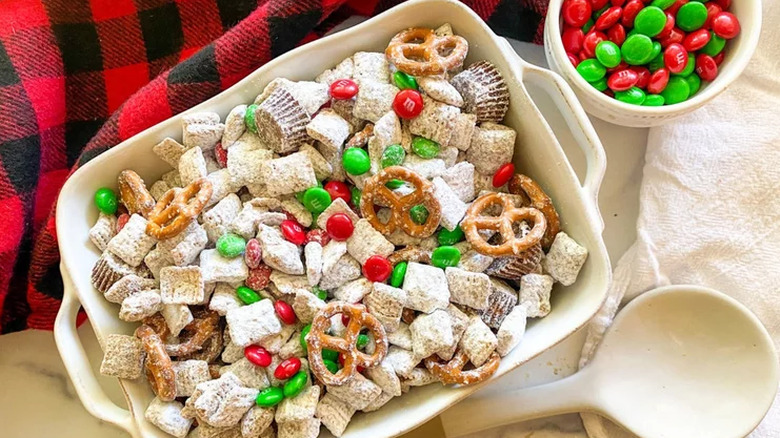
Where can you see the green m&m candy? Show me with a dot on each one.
(355, 161)
(247, 295)
(608, 54)
(425, 148)
(105, 200)
(656, 63)
(399, 272)
(394, 184)
(404, 81)
(689, 66)
(295, 385)
(362, 341)
(600, 85)
(676, 91)
(588, 25)
(316, 199)
(231, 245)
(663, 4)
(328, 354)
(333, 367)
(270, 397)
(637, 49)
(356, 194)
(305, 332)
(249, 118)
(657, 48)
(320, 293)
(650, 21)
(591, 70)
(691, 16)
(447, 237)
(393, 155)
(653, 100)
(445, 256)
(694, 82)
(714, 46)
(419, 214)
(633, 95)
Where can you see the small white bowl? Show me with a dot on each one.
(738, 52)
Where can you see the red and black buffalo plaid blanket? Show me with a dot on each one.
(79, 76)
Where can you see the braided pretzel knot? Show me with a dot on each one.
(317, 339)
(176, 209)
(201, 329)
(375, 190)
(523, 185)
(425, 58)
(159, 368)
(475, 222)
(133, 193)
(452, 372)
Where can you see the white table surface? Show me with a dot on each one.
(38, 400)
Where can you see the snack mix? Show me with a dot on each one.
(327, 247)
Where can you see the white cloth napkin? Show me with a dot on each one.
(710, 208)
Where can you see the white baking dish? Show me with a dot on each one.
(537, 153)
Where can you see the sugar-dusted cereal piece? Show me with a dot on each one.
(435, 122)
(332, 252)
(384, 375)
(140, 305)
(310, 95)
(290, 174)
(200, 117)
(122, 357)
(217, 220)
(281, 121)
(204, 430)
(293, 347)
(185, 247)
(440, 90)
(309, 428)
(366, 241)
(181, 285)
(564, 259)
(378, 402)
(511, 331)
(132, 243)
(374, 99)
(248, 374)
(371, 67)
(221, 402)
(358, 392)
(473, 261)
(359, 181)
(322, 167)
(192, 165)
(253, 323)
(452, 208)
(158, 259)
(343, 70)
(337, 206)
(468, 288)
(126, 286)
(534, 294)
(288, 284)
(354, 291)
(234, 126)
(460, 178)
(492, 145)
(484, 91)
(103, 230)
(386, 303)
(299, 407)
(334, 413)
(251, 215)
(306, 305)
(177, 316)
(427, 168)
(224, 299)
(459, 322)
(278, 252)
(478, 341)
(232, 352)
(345, 269)
(431, 333)
(189, 374)
(222, 184)
(402, 336)
(201, 135)
(501, 301)
(426, 288)
(297, 210)
(170, 151)
(172, 178)
(256, 421)
(312, 252)
(215, 268)
(387, 131)
(274, 343)
(449, 154)
(462, 131)
(158, 189)
(331, 130)
(167, 417)
(245, 163)
(402, 360)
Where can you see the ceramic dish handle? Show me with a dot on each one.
(78, 367)
(577, 121)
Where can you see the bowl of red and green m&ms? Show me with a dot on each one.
(644, 62)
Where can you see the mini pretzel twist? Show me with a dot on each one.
(410, 254)
(523, 185)
(317, 339)
(375, 191)
(418, 52)
(159, 368)
(452, 372)
(474, 222)
(176, 209)
(201, 330)
(133, 193)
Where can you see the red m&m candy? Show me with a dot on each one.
(576, 12)
(257, 355)
(285, 312)
(706, 67)
(675, 58)
(696, 40)
(377, 269)
(342, 89)
(622, 80)
(337, 189)
(572, 40)
(339, 226)
(658, 81)
(617, 34)
(408, 104)
(725, 25)
(293, 232)
(220, 154)
(592, 39)
(503, 174)
(287, 368)
(630, 10)
(609, 18)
